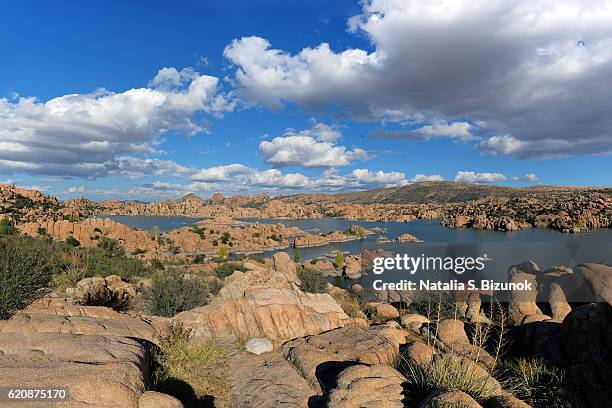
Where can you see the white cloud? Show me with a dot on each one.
(273, 178)
(367, 177)
(318, 131)
(75, 190)
(222, 173)
(239, 177)
(456, 130)
(82, 134)
(134, 167)
(529, 70)
(313, 147)
(358, 179)
(527, 177)
(502, 145)
(473, 177)
(424, 177)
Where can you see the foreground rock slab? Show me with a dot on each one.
(449, 398)
(321, 358)
(267, 380)
(100, 356)
(152, 399)
(362, 386)
(97, 371)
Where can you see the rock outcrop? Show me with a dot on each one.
(100, 356)
(264, 302)
(267, 380)
(587, 342)
(320, 358)
(88, 232)
(363, 386)
(449, 398)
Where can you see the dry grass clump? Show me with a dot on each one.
(435, 306)
(197, 375)
(447, 371)
(352, 305)
(534, 381)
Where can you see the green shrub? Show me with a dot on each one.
(225, 237)
(223, 252)
(26, 266)
(23, 202)
(72, 241)
(111, 246)
(276, 238)
(7, 227)
(170, 294)
(155, 234)
(156, 264)
(339, 260)
(226, 269)
(102, 263)
(297, 255)
(199, 258)
(199, 231)
(139, 251)
(312, 280)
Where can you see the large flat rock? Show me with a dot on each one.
(267, 380)
(97, 371)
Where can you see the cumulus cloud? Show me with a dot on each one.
(473, 177)
(273, 178)
(424, 177)
(527, 177)
(529, 70)
(83, 134)
(222, 173)
(134, 167)
(75, 190)
(315, 147)
(239, 177)
(455, 130)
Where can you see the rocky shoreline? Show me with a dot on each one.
(567, 210)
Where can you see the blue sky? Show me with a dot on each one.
(147, 100)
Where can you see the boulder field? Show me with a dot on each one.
(305, 351)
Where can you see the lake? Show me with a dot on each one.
(547, 247)
(502, 249)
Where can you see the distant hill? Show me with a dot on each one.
(452, 192)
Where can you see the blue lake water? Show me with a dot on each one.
(502, 249)
(547, 247)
